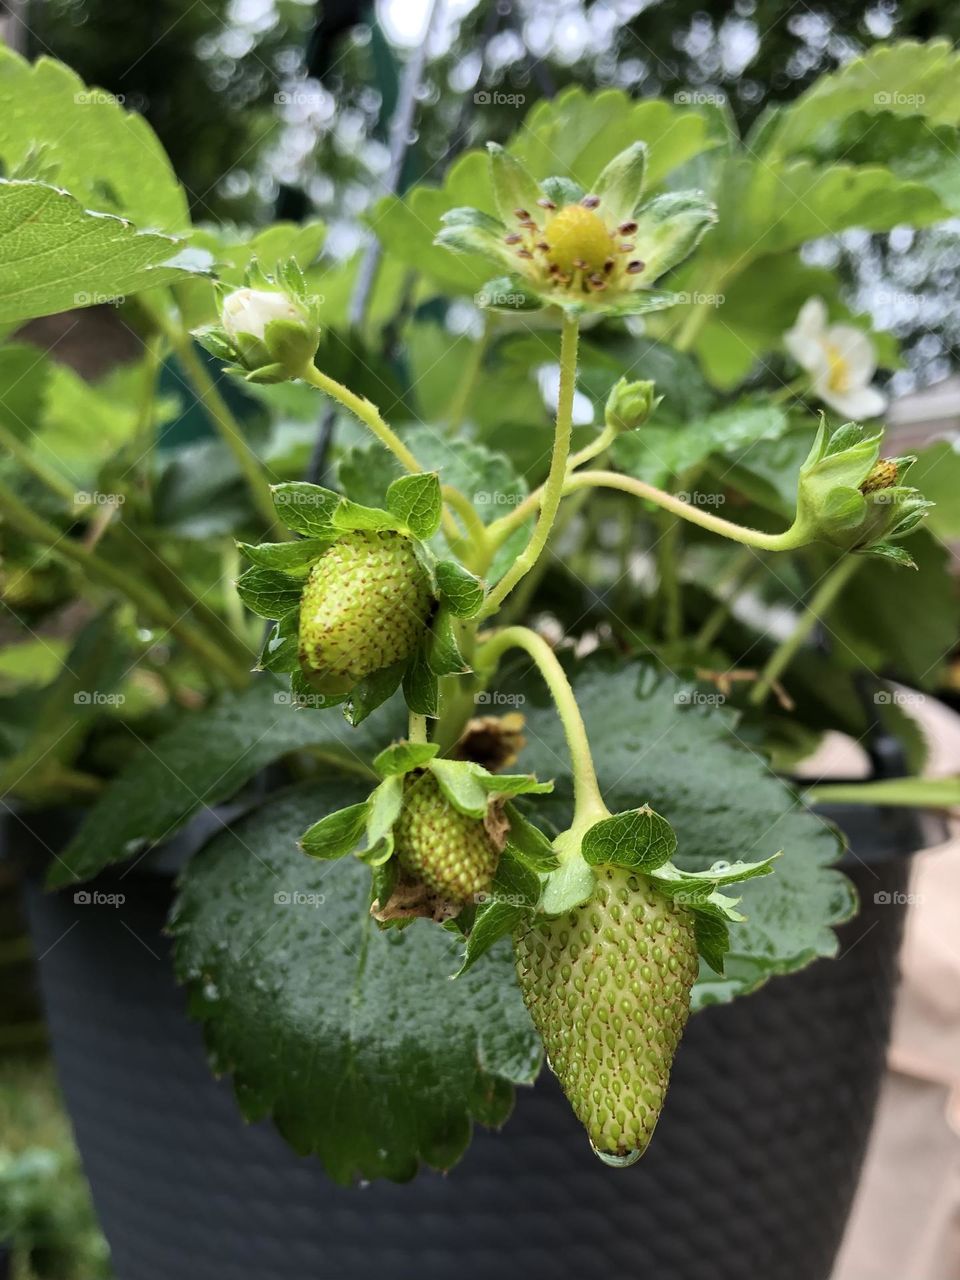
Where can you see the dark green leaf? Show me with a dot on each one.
(461, 591)
(415, 501)
(420, 687)
(258, 940)
(639, 839)
(306, 508)
(402, 757)
(512, 896)
(338, 833)
(268, 592)
(289, 557)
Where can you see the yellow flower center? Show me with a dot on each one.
(579, 240)
(838, 375)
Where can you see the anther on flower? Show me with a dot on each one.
(597, 250)
(882, 475)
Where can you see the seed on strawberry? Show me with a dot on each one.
(608, 988)
(453, 854)
(364, 606)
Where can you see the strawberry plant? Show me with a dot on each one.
(508, 689)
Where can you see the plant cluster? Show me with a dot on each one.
(584, 838)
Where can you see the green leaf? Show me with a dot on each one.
(402, 757)
(691, 885)
(306, 508)
(658, 454)
(373, 691)
(461, 782)
(723, 802)
(461, 591)
(350, 516)
(713, 939)
(203, 760)
(415, 500)
(281, 649)
(338, 833)
(342, 1076)
(528, 843)
(383, 811)
(288, 557)
(639, 839)
(57, 256)
(904, 77)
(571, 884)
(268, 592)
(108, 158)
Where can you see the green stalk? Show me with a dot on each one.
(669, 571)
(46, 474)
(552, 492)
(820, 602)
(588, 802)
(366, 411)
(789, 540)
(109, 574)
(457, 412)
(417, 730)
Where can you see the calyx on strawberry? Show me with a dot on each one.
(361, 604)
(434, 832)
(607, 966)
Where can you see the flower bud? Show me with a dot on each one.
(630, 404)
(247, 312)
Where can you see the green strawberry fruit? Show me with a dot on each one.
(608, 988)
(364, 606)
(452, 853)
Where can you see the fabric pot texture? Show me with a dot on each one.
(752, 1170)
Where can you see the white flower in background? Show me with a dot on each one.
(840, 360)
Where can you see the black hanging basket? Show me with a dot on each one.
(752, 1171)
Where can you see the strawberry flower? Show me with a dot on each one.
(840, 359)
(596, 251)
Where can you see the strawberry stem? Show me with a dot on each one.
(588, 802)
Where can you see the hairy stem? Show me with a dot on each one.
(588, 802)
(552, 491)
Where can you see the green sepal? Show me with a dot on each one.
(416, 503)
(350, 517)
(512, 898)
(459, 589)
(305, 692)
(337, 834)
(383, 809)
(569, 886)
(562, 191)
(420, 686)
(513, 187)
(638, 303)
(466, 230)
(214, 339)
(268, 592)
(528, 843)
(280, 651)
(306, 508)
(267, 374)
(289, 557)
(509, 294)
(469, 786)
(382, 884)
(887, 551)
(712, 936)
(403, 757)
(692, 885)
(669, 227)
(443, 648)
(638, 839)
(621, 183)
(373, 691)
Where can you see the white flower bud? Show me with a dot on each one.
(249, 311)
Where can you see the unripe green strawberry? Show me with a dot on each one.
(452, 853)
(608, 988)
(364, 606)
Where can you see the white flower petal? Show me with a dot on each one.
(249, 311)
(856, 405)
(856, 350)
(805, 340)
